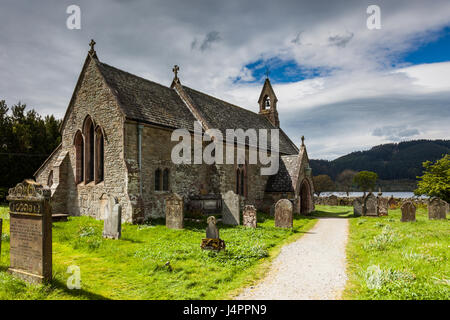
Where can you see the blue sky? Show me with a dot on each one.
(436, 49)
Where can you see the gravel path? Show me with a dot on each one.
(313, 267)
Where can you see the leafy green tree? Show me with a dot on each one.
(323, 183)
(435, 181)
(26, 140)
(365, 180)
(345, 179)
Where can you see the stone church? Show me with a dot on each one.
(116, 146)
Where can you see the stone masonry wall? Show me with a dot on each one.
(95, 99)
(186, 179)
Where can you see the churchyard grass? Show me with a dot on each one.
(134, 266)
(389, 259)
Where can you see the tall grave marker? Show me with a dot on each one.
(30, 232)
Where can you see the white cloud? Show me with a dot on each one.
(41, 59)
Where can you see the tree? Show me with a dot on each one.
(365, 180)
(345, 179)
(322, 183)
(26, 140)
(435, 181)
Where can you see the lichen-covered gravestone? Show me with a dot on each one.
(437, 209)
(358, 207)
(249, 216)
(283, 214)
(370, 205)
(230, 208)
(333, 200)
(112, 226)
(174, 211)
(408, 212)
(392, 203)
(212, 240)
(383, 205)
(30, 232)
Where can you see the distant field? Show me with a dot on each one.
(134, 267)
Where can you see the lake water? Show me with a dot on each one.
(360, 194)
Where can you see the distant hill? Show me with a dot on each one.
(392, 161)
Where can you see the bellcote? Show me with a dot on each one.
(268, 103)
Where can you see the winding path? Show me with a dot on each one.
(313, 267)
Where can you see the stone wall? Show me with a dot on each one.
(94, 98)
(187, 180)
(348, 201)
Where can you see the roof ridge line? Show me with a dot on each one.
(231, 104)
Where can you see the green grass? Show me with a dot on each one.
(389, 259)
(134, 266)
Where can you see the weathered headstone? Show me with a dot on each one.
(437, 209)
(230, 208)
(174, 211)
(249, 216)
(358, 207)
(272, 210)
(383, 206)
(333, 200)
(408, 212)
(392, 203)
(30, 232)
(283, 214)
(370, 205)
(212, 240)
(112, 226)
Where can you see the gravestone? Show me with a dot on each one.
(333, 200)
(174, 208)
(383, 206)
(437, 209)
(249, 217)
(272, 210)
(358, 207)
(283, 214)
(370, 205)
(408, 212)
(112, 225)
(392, 203)
(212, 240)
(30, 232)
(230, 208)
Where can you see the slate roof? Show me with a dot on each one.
(282, 181)
(223, 115)
(147, 101)
(150, 102)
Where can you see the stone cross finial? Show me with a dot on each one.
(303, 141)
(92, 44)
(175, 71)
(267, 72)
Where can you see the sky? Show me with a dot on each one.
(343, 86)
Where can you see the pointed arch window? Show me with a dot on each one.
(158, 179)
(241, 180)
(266, 102)
(165, 180)
(99, 155)
(79, 157)
(88, 131)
